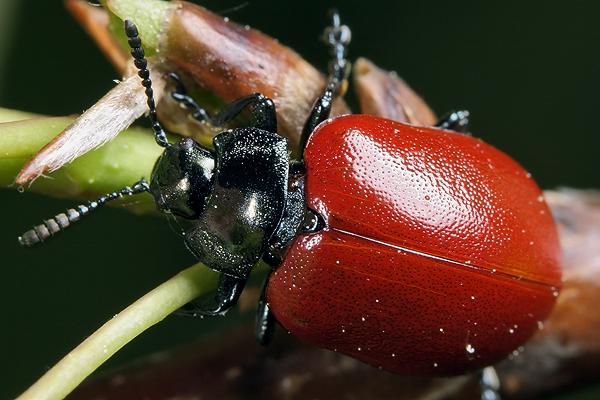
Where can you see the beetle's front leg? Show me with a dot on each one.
(455, 121)
(263, 109)
(337, 37)
(226, 295)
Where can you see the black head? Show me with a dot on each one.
(182, 179)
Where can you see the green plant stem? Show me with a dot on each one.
(69, 372)
(10, 115)
(150, 16)
(119, 163)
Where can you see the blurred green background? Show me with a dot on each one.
(527, 71)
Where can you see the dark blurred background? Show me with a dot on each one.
(527, 71)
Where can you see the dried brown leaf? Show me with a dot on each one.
(103, 121)
(386, 95)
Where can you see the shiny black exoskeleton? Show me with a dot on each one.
(230, 202)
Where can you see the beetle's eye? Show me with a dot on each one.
(181, 179)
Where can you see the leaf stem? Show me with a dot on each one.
(119, 163)
(69, 372)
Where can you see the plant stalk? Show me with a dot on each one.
(69, 372)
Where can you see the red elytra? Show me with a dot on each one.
(439, 253)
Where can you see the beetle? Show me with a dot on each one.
(414, 249)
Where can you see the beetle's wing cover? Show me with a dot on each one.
(438, 253)
(246, 203)
(437, 192)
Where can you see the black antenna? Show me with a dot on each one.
(60, 222)
(141, 63)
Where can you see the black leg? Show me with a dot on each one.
(490, 384)
(226, 295)
(337, 37)
(263, 109)
(297, 168)
(142, 65)
(265, 321)
(456, 121)
(62, 221)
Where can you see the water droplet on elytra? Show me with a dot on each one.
(470, 349)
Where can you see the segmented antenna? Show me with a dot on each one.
(137, 52)
(60, 222)
(337, 37)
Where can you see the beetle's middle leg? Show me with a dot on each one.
(263, 109)
(265, 321)
(227, 294)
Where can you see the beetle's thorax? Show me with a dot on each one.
(242, 198)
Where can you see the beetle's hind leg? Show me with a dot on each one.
(226, 295)
(337, 37)
(455, 121)
(263, 109)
